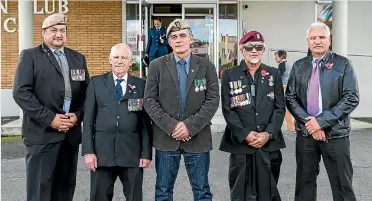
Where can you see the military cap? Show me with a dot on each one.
(177, 25)
(252, 36)
(54, 19)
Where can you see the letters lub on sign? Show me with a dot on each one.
(40, 7)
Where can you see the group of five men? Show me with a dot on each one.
(124, 117)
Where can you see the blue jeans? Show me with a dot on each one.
(167, 165)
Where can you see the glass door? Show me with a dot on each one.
(202, 20)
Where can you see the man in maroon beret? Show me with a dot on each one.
(253, 107)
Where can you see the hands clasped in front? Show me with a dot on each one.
(312, 126)
(256, 139)
(181, 132)
(64, 122)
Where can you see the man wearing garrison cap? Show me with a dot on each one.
(181, 97)
(253, 107)
(49, 86)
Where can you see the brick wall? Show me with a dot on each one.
(93, 27)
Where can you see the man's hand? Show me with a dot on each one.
(91, 161)
(144, 163)
(180, 132)
(261, 140)
(57, 121)
(68, 122)
(319, 135)
(251, 137)
(312, 125)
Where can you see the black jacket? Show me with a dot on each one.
(39, 91)
(266, 114)
(117, 136)
(339, 89)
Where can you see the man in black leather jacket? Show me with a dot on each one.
(322, 91)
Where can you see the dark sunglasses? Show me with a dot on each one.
(249, 48)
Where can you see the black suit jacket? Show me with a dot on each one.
(161, 103)
(117, 136)
(339, 89)
(266, 115)
(39, 91)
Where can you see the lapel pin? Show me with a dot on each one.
(192, 70)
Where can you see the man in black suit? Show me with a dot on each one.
(253, 106)
(117, 130)
(181, 97)
(49, 86)
(322, 91)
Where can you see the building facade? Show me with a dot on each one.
(94, 26)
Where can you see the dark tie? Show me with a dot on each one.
(182, 81)
(313, 95)
(119, 89)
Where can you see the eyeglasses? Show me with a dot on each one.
(249, 48)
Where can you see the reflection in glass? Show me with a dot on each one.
(202, 26)
(228, 36)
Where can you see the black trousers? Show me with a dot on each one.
(251, 176)
(103, 180)
(51, 171)
(336, 158)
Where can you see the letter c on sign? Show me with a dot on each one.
(6, 25)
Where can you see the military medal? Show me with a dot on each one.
(248, 99)
(240, 86)
(236, 91)
(205, 83)
(253, 90)
(201, 85)
(231, 87)
(271, 81)
(196, 85)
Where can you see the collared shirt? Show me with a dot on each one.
(63, 53)
(187, 59)
(320, 88)
(123, 83)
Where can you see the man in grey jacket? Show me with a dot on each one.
(181, 97)
(285, 68)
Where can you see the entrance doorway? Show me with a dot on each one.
(202, 20)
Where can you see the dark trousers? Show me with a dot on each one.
(51, 171)
(336, 157)
(103, 180)
(251, 176)
(197, 166)
(276, 160)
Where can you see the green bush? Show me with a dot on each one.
(135, 66)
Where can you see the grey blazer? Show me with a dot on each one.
(161, 103)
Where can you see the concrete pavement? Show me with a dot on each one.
(13, 170)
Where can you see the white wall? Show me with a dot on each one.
(274, 19)
(8, 105)
(283, 24)
(360, 43)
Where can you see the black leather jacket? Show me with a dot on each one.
(339, 89)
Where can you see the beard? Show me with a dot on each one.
(254, 61)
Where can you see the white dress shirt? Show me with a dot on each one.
(123, 83)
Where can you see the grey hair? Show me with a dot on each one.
(318, 25)
(113, 49)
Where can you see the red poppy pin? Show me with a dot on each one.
(329, 66)
(264, 73)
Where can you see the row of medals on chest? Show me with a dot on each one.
(200, 85)
(236, 86)
(243, 99)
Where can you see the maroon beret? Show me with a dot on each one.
(252, 36)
